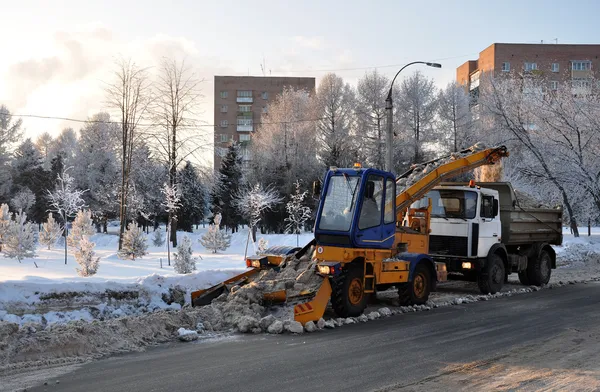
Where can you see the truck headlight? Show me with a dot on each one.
(323, 269)
(467, 265)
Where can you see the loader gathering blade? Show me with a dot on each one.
(206, 296)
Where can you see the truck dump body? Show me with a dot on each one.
(522, 225)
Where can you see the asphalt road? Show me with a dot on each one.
(384, 354)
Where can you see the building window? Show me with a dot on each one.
(555, 67)
(220, 151)
(223, 108)
(581, 65)
(224, 123)
(553, 85)
(244, 138)
(505, 67)
(581, 83)
(224, 138)
(265, 95)
(244, 93)
(223, 94)
(530, 66)
(265, 110)
(244, 121)
(245, 108)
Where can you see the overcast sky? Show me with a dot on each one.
(57, 54)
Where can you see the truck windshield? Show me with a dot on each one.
(339, 203)
(450, 203)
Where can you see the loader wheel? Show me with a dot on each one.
(491, 279)
(348, 298)
(540, 269)
(524, 278)
(416, 292)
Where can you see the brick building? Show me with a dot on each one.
(556, 63)
(240, 102)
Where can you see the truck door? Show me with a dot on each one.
(370, 229)
(489, 226)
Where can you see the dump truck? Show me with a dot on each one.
(483, 234)
(360, 244)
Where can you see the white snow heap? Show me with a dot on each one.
(216, 239)
(51, 230)
(134, 243)
(158, 239)
(184, 263)
(86, 257)
(297, 213)
(82, 226)
(20, 238)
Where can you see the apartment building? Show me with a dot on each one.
(241, 102)
(556, 63)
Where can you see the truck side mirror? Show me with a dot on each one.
(495, 207)
(316, 188)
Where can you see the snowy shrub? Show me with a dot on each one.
(298, 214)
(4, 223)
(86, 257)
(82, 226)
(158, 239)
(216, 239)
(134, 243)
(23, 200)
(20, 239)
(184, 263)
(51, 230)
(262, 246)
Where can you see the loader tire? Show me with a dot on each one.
(348, 298)
(416, 292)
(491, 279)
(524, 278)
(539, 270)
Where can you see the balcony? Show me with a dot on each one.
(244, 128)
(244, 100)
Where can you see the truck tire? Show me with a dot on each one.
(524, 278)
(539, 270)
(491, 279)
(416, 292)
(348, 298)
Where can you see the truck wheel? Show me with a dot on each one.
(491, 279)
(524, 278)
(416, 292)
(540, 269)
(348, 297)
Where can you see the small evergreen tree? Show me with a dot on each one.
(51, 230)
(86, 257)
(184, 263)
(216, 239)
(192, 198)
(20, 239)
(298, 214)
(134, 243)
(4, 223)
(171, 204)
(82, 226)
(158, 239)
(226, 187)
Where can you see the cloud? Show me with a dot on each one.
(316, 42)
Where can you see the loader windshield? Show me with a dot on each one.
(339, 203)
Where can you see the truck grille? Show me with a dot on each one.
(448, 245)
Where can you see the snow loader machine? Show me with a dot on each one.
(368, 238)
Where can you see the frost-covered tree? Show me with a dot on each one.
(370, 113)
(65, 200)
(251, 202)
(51, 230)
(184, 263)
(134, 243)
(82, 226)
(23, 200)
(65, 146)
(86, 257)
(225, 186)
(335, 104)
(44, 144)
(454, 118)
(216, 239)
(261, 246)
(20, 239)
(171, 204)
(192, 198)
(158, 239)
(4, 223)
(10, 133)
(298, 213)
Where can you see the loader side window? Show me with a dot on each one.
(388, 216)
(370, 214)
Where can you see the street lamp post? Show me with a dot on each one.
(389, 107)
